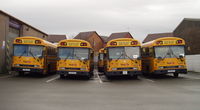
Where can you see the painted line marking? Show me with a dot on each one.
(7, 76)
(100, 81)
(52, 79)
(191, 77)
(149, 80)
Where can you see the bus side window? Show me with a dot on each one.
(151, 52)
(145, 52)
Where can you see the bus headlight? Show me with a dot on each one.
(17, 64)
(36, 66)
(160, 67)
(83, 69)
(181, 66)
(135, 68)
(114, 68)
(62, 68)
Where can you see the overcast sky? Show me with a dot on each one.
(139, 17)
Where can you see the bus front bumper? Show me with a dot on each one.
(123, 73)
(78, 73)
(27, 70)
(181, 71)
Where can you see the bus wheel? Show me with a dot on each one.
(62, 76)
(176, 75)
(135, 76)
(21, 73)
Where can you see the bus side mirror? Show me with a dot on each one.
(40, 57)
(139, 58)
(181, 56)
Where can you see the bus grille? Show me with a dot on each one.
(124, 68)
(27, 65)
(170, 66)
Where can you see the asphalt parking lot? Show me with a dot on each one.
(145, 93)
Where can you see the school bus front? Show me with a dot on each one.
(28, 55)
(75, 58)
(123, 57)
(166, 55)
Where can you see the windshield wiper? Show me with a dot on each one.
(66, 58)
(33, 56)
(22, 54)
(79, 58)
(129, 57)
(120, 56)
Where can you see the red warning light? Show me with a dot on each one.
(113, 43)
(18, 40)
(134, 43)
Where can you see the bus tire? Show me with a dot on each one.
(62, 76)
(21, 73)
(135, 76)
(176, 75)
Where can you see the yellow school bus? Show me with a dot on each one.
(75, 57)
(122, 57)
(101, 60)
(164, 55)
(33, 55)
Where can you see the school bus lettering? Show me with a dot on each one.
(28, 41)
(123, 43)
(73, 43)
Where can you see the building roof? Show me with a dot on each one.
(14, 18)
(186, 23)
(85, 35)
(118, 35)
(55, 38)
(151, 37)
(104, 38)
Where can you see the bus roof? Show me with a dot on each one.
(30, 40)
(74, 43)
(164, 41)
(121, 42)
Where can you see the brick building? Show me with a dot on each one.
(189, 30)
(93, 38)
(151, 37)
(55, 38)
(10, 28)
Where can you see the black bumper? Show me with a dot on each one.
(180, 71)
(27, 70)
(120, 73)
(67, 73)
(100, 69)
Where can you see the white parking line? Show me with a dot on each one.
(192, 77)
(52, 79)
(145, 79)
(100, 81)
(7, 76)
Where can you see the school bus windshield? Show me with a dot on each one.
(28, 50)
(169, 51)
(124, 52)
(73, 53)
